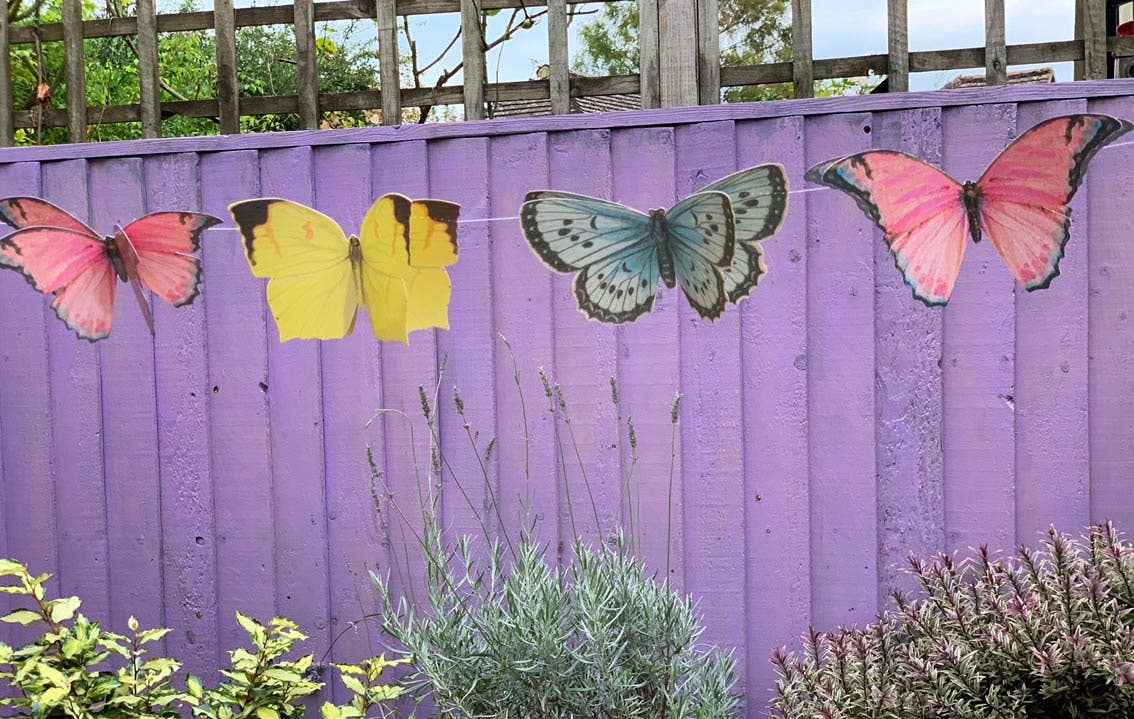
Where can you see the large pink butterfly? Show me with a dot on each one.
(59, 254)
(1019, 203)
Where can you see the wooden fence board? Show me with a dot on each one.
(306, 64)
(898, 45)
(386, 17)
(75, 73)
(149, 90)
(995, 56)
(228, 86)
(802, 74)
(474, 72)
(7, 118)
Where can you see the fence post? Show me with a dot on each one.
(386, 16)
(1091, 29)
(708, 52)
(228, 88)
(802, 71)
(74, 72)
(995, 51)
(7, 113)
(472, 50)
(559, 73)
(649, 54)
(898, 46)
(150, 92)
(677, 42)
(306, 64)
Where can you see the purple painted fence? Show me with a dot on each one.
(830, 425)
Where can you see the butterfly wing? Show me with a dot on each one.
(614, 247)
(918, 208)
(163, 242)
(759, 201)
(312, 291)
(22, 212)
(75, 267)
(702, 235)
(1025, 192)
(385, 241)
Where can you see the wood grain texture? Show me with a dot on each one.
(228, 86)
(386, 18)
(149, 89)
(978, 356)
(898, 45)
(306, 64)
(649, 54)
(995, 55)
(74, 62)
(7, 115)
(840, 365)
(474, 72)
(708, 52)
(558, 57)
(802, 74)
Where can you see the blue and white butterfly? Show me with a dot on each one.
(620, 252)
(759, 201)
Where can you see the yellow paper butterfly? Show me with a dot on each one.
(319, 277)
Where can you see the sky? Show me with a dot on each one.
(842, 28)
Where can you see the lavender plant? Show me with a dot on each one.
(1046, 634)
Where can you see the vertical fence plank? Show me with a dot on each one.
(469, 351)
(306, 64)
(228, 87)
(586, 352)
(387, 30)
(649, 54)
(181, 378)
(1052, 438)
(404, 369)
(77, 414)
(995, 52)
(803, 73)
(74, 72)
(708, 52)
(150, 92)
(898, 45)
(30, 521)
(237, 405)
(711, 414)
(522, 312)
(472, 52)
(1110, 348)
(650, 364)
(7, 112)
(558, 57)
(773, 350)
(979, 375)
(352, 391)
(907, 345)
(840, 387)
(129, 409)
(677, 42)
(1091, 29)
(295, 419)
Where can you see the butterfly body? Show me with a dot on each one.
(620, 253)
(1020, 203)
(58, 254)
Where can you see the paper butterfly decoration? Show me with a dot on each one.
(319, 277)
(620, 252)
(59, 254)
(1019, 203)
(759, 200)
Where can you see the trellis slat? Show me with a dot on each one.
(306, 64)
(1093, 14)
(74, 70)
(472, 50)
(708, 52)
(677, 41)
(802, 64)
(898, 46)
(7, 119)
(150, 92)
(649, 53)
(386, 16)
(228, 88)
(995, 52)
(559, 77)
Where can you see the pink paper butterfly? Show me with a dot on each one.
(59, 254)
(1019, 203)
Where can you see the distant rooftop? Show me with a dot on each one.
(579, 105)
(1016, 77)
